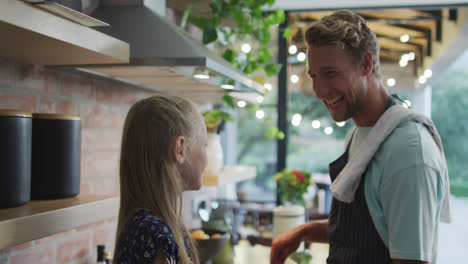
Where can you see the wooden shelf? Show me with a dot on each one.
(38, 219)
(230, 175)
(35, 36)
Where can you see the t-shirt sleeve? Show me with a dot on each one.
(146, 240)
(158, 241)
(409, 200)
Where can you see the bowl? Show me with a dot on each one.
(209, 248)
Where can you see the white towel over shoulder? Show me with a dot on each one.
(347, 182)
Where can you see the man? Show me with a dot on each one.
(391, 186)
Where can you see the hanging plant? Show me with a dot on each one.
(250, 25)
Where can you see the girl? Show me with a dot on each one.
(162, 154)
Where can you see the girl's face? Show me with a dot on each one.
(196, 160)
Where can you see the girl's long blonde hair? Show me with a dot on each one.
(149, 178)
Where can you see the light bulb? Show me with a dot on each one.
(404, 38)
(241, 104)
(246, 48)
(316, 124)
(292, 49)
(391, 82)
(294, 78)
(260, 114)
(301, 56)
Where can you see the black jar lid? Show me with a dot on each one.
(56, 116)
(14, 113)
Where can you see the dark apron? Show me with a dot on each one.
(352, 235)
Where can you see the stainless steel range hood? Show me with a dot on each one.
(164, 57)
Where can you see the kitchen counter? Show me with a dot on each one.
(258, 254)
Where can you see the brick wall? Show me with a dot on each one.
(102, 105)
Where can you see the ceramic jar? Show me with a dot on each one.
(214, 152)
(56, 155)
(15, 157)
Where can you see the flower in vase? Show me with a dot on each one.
(292, 185)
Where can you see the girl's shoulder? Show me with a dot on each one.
(145, 220)
(145, 236)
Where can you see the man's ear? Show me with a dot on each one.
(367, 63)
(178, 151)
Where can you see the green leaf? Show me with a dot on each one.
(271, 133)
(209, 33)
(301, 257)
(280, 16)
(229, 55)
(251, 67)
(287, 33)
(257, 12)
(272, 69)
(199, 21)
(254, 107)
(227, 99)
(237, 15)
(266, 38)
(252, 3)
(271, 2)
(274, 133)
(186, 15)
(226, 116)
(216, 6)
(280, 135)
(264, 55)
(271, 19)
(249, 29)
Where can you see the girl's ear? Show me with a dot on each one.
(178, 151)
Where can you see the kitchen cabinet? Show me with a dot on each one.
(38, 219)
(35, 36)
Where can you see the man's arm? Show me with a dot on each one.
(315, 231)
(288, 242)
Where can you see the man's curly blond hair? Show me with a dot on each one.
(350, 32)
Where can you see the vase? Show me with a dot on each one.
(214, 152)
(286, 217)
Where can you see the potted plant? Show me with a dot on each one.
(214, 149)
(293, 185)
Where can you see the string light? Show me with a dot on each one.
(422, 79)
(292, 49)
(428, 73)
(246, 48)
(294, 78)
(301, 56)
(260, 114)
(241, 104)
(296, 120)
(404, 38)
(316, 124)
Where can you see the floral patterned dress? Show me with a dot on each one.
(146, 236)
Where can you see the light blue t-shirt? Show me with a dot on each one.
(404, 189)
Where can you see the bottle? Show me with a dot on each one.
(108, 259)
(101, 254)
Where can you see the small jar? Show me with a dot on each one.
(56, 155)
(15, 157)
